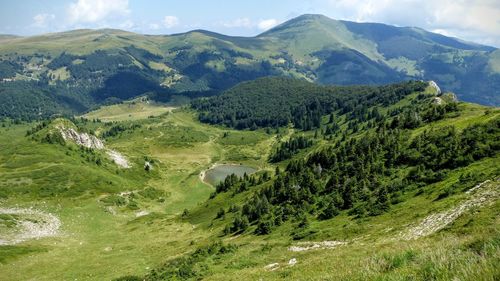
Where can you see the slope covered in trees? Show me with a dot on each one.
(370, 156)
(374, 169)
(276, 102)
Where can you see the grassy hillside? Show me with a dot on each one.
(164, 222)
(100, 227)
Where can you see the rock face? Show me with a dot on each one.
(91, 141)
(82, 139)
(435, 86)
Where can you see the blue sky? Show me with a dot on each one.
(473, 20)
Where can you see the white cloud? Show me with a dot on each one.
(247, 23)
(92, 11)
(170, 21)
(267, 24)
(41, 20)
(468, 19)
(239, 22)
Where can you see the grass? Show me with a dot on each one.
(104, 239)
(129, 111)
(71, 188)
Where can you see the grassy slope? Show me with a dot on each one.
(128, 111)
(375, 254)
(83, 41)
(97, 245)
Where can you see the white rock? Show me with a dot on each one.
(31, 224)
(82, 139)
(437, 100)
(141, 214)
(482, 194)
(306, 246)
(118, 158)
(91, 141)
(435, 86)
(272, 266)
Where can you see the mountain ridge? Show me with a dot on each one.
(311, 47)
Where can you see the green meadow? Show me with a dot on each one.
(118, 222)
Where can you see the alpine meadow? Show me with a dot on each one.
(314, 149)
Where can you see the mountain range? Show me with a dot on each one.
(200, 156)
(77, 70)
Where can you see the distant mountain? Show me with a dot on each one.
(358, 53)
(8, 37)
(85, 68)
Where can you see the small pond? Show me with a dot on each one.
(220, 172)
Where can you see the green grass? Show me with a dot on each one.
(129, 111)
(75, 190)
(102, 238)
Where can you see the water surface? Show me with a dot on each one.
(220, 172)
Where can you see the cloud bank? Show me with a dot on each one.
(247, 23)
(94, 11)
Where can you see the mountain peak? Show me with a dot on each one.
(312, 17)
(303, 22)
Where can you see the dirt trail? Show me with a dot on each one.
(26, 224)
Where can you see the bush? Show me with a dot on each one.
(264, 226)
(220, 214)
(329, 212)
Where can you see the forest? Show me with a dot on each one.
(276, 102)
(368, 165)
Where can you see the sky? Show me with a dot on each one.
(472, 20)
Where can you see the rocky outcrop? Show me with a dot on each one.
(81, 139)
(91, 141)
(449, 97)
(437, 100)
(148, 166)
(435, 86)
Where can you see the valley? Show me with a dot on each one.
(95, 230)
(159, 220)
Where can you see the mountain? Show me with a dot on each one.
(85, 68)
(360, 53)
